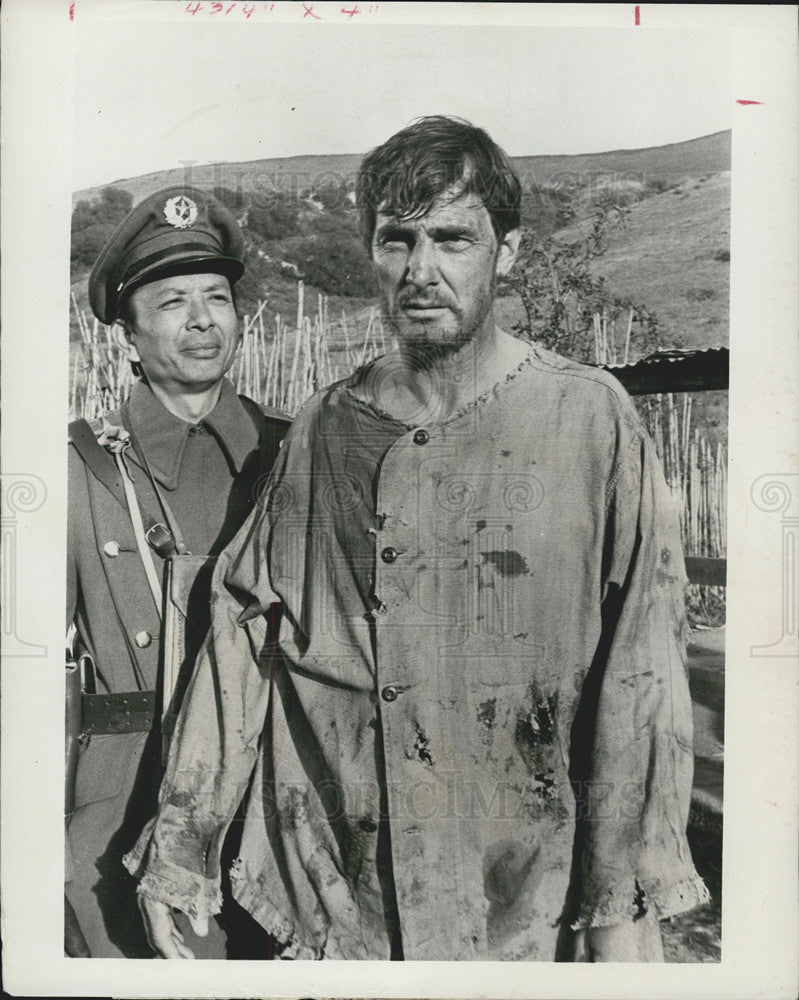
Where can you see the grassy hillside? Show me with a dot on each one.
(288, 175)
(709, 153)
(669, 163)
(672, 255)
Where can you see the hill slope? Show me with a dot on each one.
(710, 153)
(671, 255)
(707, 154)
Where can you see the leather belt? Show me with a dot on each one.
(124, 712)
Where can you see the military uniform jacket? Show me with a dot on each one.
(210, 475)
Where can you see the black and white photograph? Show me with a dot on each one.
(402, 501)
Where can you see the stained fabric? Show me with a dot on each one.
(449, 666)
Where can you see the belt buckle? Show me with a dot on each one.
(159, 538)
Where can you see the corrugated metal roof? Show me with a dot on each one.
(675, 355)
(675, 371)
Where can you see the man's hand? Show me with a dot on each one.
(637, 941)
(162, 932)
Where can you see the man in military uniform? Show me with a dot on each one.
(174, 470)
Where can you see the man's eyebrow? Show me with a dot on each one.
(391, 226)
(212, 286)
(442, 228)
(452, 229)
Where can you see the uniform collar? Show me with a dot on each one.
(163, 436)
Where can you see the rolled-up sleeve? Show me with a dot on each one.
(635, 855)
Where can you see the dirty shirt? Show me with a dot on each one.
(446, 666)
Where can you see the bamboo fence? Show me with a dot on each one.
(696, 472)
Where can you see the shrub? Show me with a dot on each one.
(561, 295)
(334, 263)
(87, 243)
(94, 221)
(657, 185)
(234, 200)
(276, 220)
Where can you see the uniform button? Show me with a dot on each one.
(421, 437)
(368, 825)
(388, 555)
(389, 693)
(143, 639)
(111, 549)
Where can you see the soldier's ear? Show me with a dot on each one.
(122, 333)
(506, 254)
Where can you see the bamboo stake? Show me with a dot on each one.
(627, 338)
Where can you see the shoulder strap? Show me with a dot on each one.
(104, 468)
(97, 459)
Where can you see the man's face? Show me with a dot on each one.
(437, 273)
(184, 331)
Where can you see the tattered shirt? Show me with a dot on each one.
(446, 666)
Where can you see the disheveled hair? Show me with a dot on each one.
(413, 168)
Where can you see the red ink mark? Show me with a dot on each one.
(748, 102)
(230, 8)
(638, 15)
(309, 10)
(352, 11)
(216, 8)
(247, 10)
(193, 8)
(72, 11)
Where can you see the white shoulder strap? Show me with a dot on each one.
(138, 530)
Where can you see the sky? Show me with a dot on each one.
(154, 95)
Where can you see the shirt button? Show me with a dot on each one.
(143, 639)
(421, 436)
(388, 555)
(389, 693)
(111, 549)
(368, 825)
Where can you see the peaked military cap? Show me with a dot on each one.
(172, 230)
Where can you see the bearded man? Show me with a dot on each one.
(447, 650)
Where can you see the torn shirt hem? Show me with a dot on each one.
(623, 904)
(251, 897)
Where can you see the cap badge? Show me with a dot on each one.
(180, 212)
